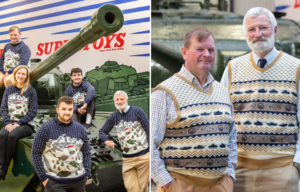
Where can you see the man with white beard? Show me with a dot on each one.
(132, 127)
(264, 89)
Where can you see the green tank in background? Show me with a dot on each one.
(111, 77)
(173, 18)
(50, 84)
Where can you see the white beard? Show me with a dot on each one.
(262, 46)
(121, 107)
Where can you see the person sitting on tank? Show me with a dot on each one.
(18, 109)
(83, 94)
(15, 53)
(132, 126)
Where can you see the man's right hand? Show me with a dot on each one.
(166, 187)
(45, 182)
(110, 144)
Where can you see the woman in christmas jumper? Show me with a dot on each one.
(18, 108)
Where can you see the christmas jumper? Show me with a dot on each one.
(14, 55)
(17, 108)
(61, 152)
(132, 128)
(81, 94)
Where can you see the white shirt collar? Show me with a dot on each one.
(269, 57)
(126, 109)
(17, 42)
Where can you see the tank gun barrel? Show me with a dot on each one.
(169, 58)
(107, 20)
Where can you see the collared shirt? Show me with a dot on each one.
(126, 109)
(163, 112)
(61, 123)
(270, 58)
(17, 42)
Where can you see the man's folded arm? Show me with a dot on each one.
(159, 114)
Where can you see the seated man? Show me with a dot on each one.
(132, 126)
(84, 102)
(14, 54)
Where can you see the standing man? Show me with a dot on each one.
(15, 53)
(132, 126)
(61, 151)
(83, 94)
(192, 124)
(264, 89)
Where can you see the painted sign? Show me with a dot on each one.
(290, 7)
(47, 25)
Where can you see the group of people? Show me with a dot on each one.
(238, 135)
(60, 150)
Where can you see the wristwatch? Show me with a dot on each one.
(297, 165)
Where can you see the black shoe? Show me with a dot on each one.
(88, 128)
(3, 171)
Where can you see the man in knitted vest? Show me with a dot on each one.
(83, 94)
(61, 152)
(264, 89)
(14, 53)
(192, 124)
(132, 127)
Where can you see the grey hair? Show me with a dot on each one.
(121, 92)
(255, 11)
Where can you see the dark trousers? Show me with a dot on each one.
(65, 187)
(90, 109)
(9, 141)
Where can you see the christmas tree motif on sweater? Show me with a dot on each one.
(63, 158)
(11, 60)
(17, 106)
(79, 98)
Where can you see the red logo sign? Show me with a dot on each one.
(1, 51)
(297, 4)
(111, 43)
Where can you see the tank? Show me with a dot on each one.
(111, 77)
(50, 84)
(173, 18)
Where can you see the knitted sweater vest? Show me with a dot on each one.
(196, 144)
(265, 107)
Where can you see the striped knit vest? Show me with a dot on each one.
(265, 107)
(196, 144)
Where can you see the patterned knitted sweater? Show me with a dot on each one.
(14, 55)
(81, 94)
(132, 129)
(17, 108)
(61, 152)
(196, 144)
(265, 107)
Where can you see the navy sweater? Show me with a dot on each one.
(17, 108)
(127, 125)
(61, 152)
(20, 48)
(81, 94)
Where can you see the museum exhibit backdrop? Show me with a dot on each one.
(117, 62)
(290, 7)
